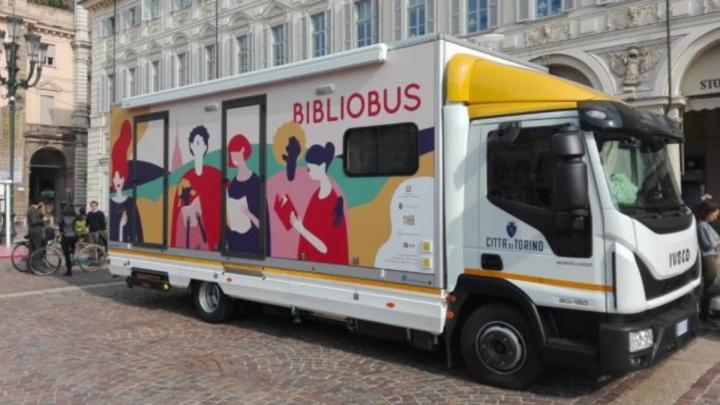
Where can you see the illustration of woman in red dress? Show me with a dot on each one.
(123, 213)
(323, 228)
(196, 207)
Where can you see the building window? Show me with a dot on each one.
(108, 27)
(155, 76)
(388, 150)
(181, 4)
(152, 9)
(320, 34)
(111, 89)
(416, 18)
(50, 55)
(210, 61)
(132, 17)
(528, 9)
(131, 82)
(182, 69)
(243, 53)
(365, 11)
(47, 107)
(279, 46)
(481, 15)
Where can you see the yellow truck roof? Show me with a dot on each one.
(494, 89)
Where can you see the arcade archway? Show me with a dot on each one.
(48, 176)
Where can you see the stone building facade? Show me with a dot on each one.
(51, 118)
(617, 46)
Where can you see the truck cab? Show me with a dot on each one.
(572, 219)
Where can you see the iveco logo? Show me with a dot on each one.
(679, 257)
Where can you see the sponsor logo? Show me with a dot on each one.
(679, 257)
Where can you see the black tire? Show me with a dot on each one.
(500, 348)
(20, 257)
(46, 261)
(91, 258)
(211, 303)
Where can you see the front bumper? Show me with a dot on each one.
(614, 337)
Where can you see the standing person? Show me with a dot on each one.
(35, 225)
(69, 235)
(96, 224)
(707, 212)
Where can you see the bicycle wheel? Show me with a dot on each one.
(91, 257)
(45, 261)
(20, 255)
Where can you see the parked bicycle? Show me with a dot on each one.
(48, 259)
(90, 256)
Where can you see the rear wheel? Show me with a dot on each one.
(20, 256)
(500, 348)
(91, 258)
(45, 261)
(211, 303)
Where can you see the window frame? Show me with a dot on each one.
(284, 26)
(179, 5)
(346, 151)
(182, 75)
(532, 9)
(209, 71)
(492, 20)
(134, 11)
(370, 23)
(416, 8)
(131, 87)
(241, 54)
(319, 36)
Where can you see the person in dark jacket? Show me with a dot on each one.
(69, 235)
(708, 212)
(97, 224)
(35, 225)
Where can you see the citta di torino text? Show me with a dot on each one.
(524, 245)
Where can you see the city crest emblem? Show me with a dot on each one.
(511, 229)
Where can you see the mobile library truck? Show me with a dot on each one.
(426, 191)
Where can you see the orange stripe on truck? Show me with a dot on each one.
(539, 280)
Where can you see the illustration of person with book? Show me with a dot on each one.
(122, 207)
(196, 207)
(323, 227)
(288, 190)
(243, 200)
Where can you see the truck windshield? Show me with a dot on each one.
(638, 173)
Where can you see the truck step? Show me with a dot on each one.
(148, 279)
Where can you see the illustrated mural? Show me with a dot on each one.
(195, 220)
(300, 204)
(123, 213)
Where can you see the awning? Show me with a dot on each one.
(703, 103)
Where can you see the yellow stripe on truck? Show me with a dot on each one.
(230, 266)
(539, 280)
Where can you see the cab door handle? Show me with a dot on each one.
(491, 262)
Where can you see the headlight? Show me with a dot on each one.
(640, 340)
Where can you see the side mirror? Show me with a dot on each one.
(570, 177)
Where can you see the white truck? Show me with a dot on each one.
(426, 191)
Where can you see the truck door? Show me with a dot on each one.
(243, 165)
(520, 231)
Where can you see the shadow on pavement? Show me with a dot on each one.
(562, 383)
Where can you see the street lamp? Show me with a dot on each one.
(36, 54)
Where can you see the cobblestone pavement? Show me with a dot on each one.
(90, 339)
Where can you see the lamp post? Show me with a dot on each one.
(36, 53)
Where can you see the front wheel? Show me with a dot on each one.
(500, 348)
(211, 303)
(20, 257)
(45, 261)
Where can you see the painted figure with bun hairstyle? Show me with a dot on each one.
(323, 228)
(243, 199)
(122, 207)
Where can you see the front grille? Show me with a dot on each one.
(655, 288)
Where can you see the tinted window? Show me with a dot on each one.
(390, 150)
(521, 169)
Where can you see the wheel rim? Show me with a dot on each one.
(209, 297)
(46, 261)
(501, 348)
